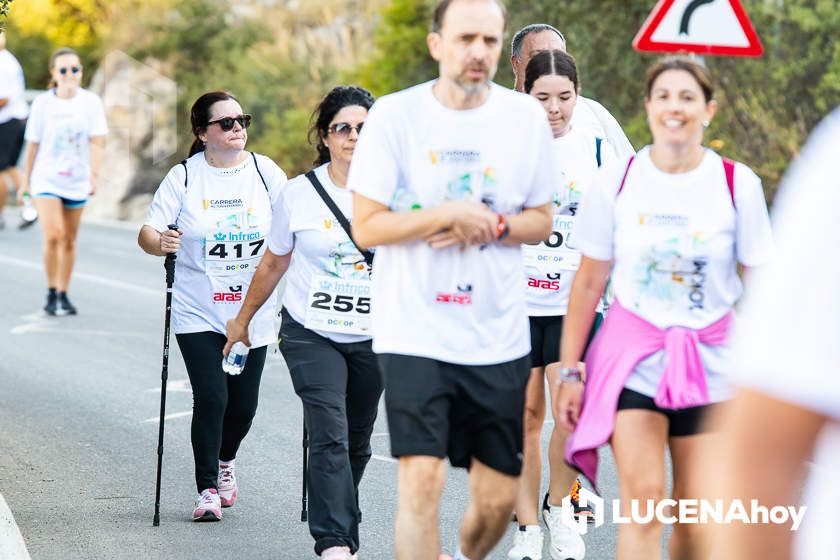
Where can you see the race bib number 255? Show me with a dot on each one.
(341, 306)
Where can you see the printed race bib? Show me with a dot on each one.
(553, 254)
(227, 253)
(336, 305)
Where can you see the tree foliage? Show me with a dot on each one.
(767, 105)
(280, 58)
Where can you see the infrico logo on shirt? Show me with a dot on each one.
(230, 236)
(454, 156)
(655, 220)
(223, 204)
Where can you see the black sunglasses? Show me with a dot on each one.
(343, 128)
(74, 69)
(226, 123)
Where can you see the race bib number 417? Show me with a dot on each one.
(336, 305)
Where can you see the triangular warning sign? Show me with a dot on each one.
(717, 27)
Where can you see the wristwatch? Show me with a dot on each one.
(502, 229)
(568, 374)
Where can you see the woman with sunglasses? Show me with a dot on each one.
(672, 223)
(323, 338)
(222, 199)
(65, 135)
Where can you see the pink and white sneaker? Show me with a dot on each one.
(207, 506)
(227, 484)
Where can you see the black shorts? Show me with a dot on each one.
(545, 338)
(441, 410)
(683, 422)
(11, 142)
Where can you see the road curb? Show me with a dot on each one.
(12, 546)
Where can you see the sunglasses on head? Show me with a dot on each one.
(226, 123)
(73, 69)
(344, 129)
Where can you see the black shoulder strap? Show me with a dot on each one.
(339, 215)
(257, 167)
(184, 163)
(598, 143)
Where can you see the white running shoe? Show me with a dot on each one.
(207, 506)
(336, 553)
(527, 544)
(563, 543)
(227, 484)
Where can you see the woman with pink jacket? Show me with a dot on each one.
(670, 225)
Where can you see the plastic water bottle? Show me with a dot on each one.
(28, 214)
(234, 362)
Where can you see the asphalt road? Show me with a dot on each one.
(78, 428)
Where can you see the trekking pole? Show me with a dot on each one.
(169, 266)
(303, 509)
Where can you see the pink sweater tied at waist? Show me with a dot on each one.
(624, 340)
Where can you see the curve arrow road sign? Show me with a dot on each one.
(708, 27)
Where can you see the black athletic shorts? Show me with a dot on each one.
(683, 422)
(11, 142)
(545, 338)
(462, 412)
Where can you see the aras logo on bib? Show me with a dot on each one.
(233, 295)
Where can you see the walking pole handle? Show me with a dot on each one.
(169, 263)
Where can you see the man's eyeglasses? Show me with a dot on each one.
(344, 129)
(226, 123)
(73, 69)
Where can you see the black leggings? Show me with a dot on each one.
(223, 405)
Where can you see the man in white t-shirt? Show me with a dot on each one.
(788, 366)
(13, 112)
(449, 178)
(589, 114)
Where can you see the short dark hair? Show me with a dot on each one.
(519, 38)
(699, 72)
(200, 115)
(443, 5)
(551, 63)
(336, 100)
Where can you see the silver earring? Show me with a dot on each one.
(705, 124)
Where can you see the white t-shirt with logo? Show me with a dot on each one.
(676, 240)
(304, 224)
(63, 129)
(458, 306)
(550, 265)
(786, 342)
(225, 214)
(12, 87)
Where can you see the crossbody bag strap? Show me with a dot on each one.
(339, 215)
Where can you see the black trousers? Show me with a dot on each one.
(339, 385)
(223, 405)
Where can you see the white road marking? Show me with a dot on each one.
(91, 278)
(12, 546)
(383, 458)
(175, 386)
(154, 419)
